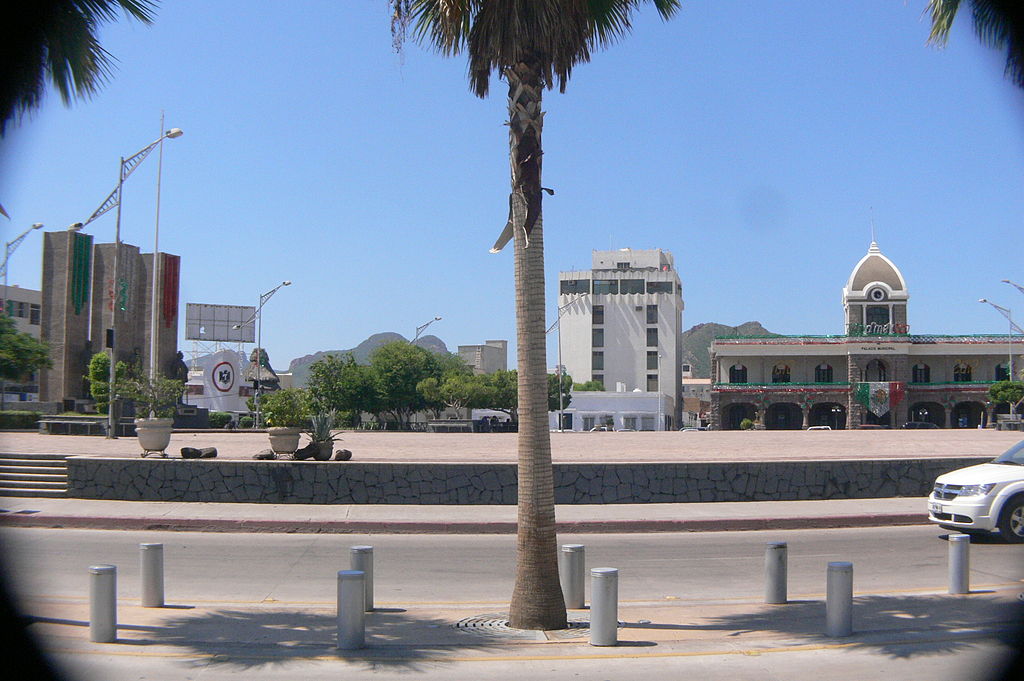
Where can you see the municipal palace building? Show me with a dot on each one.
(877, 373)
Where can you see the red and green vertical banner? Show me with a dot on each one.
(880, 396)
(81, 269)
(171, 280)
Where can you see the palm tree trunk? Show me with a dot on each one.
(537, 601)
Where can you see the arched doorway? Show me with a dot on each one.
(929, 412)
(735, 413)
(968, 414)
(784, 416)
(829, 414)
(876, 371)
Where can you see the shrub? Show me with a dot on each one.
(219, 419)
(246, 422)
(746, 424)
(287, 408)
(19, 420)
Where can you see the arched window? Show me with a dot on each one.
(875, 371)
(961, 372)
(1002, 372)
(823, 373)
(737, 373)
(921, 373)
(780, 373)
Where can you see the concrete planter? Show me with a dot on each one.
(284, 440)
(154, 435)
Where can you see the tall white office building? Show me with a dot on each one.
(621, 324)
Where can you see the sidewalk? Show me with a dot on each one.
(370, 518)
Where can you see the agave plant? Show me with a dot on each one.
(322, 425)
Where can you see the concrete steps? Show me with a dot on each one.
(33, 475)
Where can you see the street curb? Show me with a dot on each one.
(427, 527)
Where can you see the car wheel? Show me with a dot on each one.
(1011, 520)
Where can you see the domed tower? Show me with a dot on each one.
(875, 297)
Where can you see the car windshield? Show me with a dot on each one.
(1014, 456)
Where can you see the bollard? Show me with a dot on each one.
(959, 563)
(351, 603)
(362, 560)
(103, 603)
(571, 573)
(839, 599)
(775, 572)
(151, 563)
(604, 606)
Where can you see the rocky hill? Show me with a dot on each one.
(697, 341)
(300, 366)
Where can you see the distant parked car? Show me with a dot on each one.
(693, 429)
(919, 424)
(983, 498)
(819, 427)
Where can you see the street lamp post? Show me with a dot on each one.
(258, 316)
(558, 341)
(421, 328)
(113, 200)
(1006, 312)
(8, 252)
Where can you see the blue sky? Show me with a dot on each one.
(754, 140)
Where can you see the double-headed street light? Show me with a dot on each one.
(1016, 286)
(557, 322)
(1006, 312)
(113, 200)
(258, 316)
(420, 329)
(8, 252)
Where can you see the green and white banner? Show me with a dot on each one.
(879, 396)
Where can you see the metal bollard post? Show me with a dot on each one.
(351, 601)
(571, 573)
(362, 560)
(959, 563)
(604, 607)
(775, 572)
(839, 599)
(103, 603)
(151, 564)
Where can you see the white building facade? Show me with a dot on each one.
(620, 324)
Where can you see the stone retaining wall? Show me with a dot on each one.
(308, 482)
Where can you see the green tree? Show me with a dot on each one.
(58, 40)
(99, 379)
(1007, 392)
(342, 385)
(504, 393)
(456, 391)
(532, 45)
(398, 368)
(999, 24)
(553, 401)
(589, 386)
(20, 353)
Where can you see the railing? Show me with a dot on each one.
(928, 338)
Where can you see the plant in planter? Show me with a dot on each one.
(286, 412)
(321, 434)
(155, 400)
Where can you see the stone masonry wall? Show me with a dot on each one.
(307, 482)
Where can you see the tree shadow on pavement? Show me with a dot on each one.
(248, 639)
(898, 626)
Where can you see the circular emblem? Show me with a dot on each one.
(877, 294)
(224, 377)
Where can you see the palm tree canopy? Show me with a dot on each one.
(998, 24)
(57, 40)
(556, 34)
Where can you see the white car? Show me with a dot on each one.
(986, 497)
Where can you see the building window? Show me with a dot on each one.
(961, 372)
(622, 265)
(574, 286)
(660, 287)
(652, 383)
(647, 423)
(877, 314)
(631, 286)
(597, 360)
(737, 373)
(606, 286)
(598, 378)
(652, 359)
(1002, 372)
(875, 371)
(652, 314)
(33, 314)
(598, 314)
(652, 337)
(588, 424)
(921, 373)
(780, 373)
(597, 338)
(823, 373)
(629, 422)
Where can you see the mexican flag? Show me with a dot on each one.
(879, 396)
